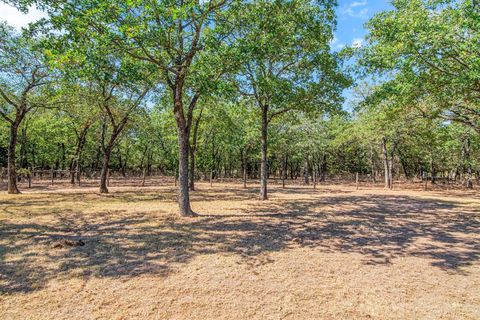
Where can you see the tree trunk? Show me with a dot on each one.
(192, 168)
(432, 172)
(386, 164)
(264, 164)
(323, 174)
(121, 164)
(75, 165)
(78, 170)
(143, 176)
(104, 173)
(305, 171)
(23, 149)
(193, 150)
(11, 167)
(72, 171)
(183, 192)
(244, 160)
(372, 164)
(390, 171)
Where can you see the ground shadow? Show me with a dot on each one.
(117, 244)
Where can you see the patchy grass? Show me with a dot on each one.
(334, 252)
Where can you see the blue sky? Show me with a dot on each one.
(351, 16)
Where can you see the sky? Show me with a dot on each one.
(16, 18)
(351, 17)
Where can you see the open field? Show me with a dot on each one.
(329, 253)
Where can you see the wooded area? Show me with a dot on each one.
(252, 95)
(254, 89)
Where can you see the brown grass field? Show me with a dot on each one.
(330, 253)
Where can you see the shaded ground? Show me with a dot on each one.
(333, 252)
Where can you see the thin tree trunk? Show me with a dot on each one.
(264, 164)
(192, 168)
(385, 163)
(11, 167)
(305, 171)
(324, 167)
(244, 158)
(193, 150)
(390, 171)
(372, 164)
(75, 165)
(432, 172)
(143, 176)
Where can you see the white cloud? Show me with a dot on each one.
(358, 4)
(336, 44)
(357, 42)
(355, 9)
(18, 19)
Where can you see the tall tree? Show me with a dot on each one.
(168, 34)
(432, 49)
(287, 61)
(23, 73)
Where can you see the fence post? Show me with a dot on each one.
(356, 180)
(51, 174)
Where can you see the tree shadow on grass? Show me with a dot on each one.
(122, 244)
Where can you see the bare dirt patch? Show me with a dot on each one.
(329, 253)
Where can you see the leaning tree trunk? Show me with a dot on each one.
(11, 167)
(264, 164)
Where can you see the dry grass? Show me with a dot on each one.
(328, 253)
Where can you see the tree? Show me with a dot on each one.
(432, 49)
(287, 62)
(169, 35)
(23, 73)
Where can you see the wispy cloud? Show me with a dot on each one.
(355, 9)
(358, 4)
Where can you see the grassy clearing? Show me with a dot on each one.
(333, 252)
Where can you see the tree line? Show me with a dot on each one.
(240, 89)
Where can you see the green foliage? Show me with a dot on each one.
(125, 62)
